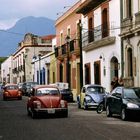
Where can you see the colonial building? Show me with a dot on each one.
(42, 65)
(6, 70)
(101, 44)
(28, 50)
(130, 35)
(67, 49)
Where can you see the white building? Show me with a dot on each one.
(28, 50)
(130, 35)
(6, 70)
(41, 65)
(101, 41)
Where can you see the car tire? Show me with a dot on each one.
(65, 114)
(4, 98)
(28, 111)
(108, 112)
(100, 108)
(85, 105)
(123, 114)
(33, 114)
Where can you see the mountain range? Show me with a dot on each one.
(10, 38)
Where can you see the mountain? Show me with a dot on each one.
(10, 38)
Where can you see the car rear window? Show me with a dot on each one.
(96, 89)
(11, 87)
(47, 91)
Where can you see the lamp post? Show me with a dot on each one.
(68, 68)
(39, 58)
(81, 56)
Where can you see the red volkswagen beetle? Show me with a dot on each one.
(11, 91)
(46, 99)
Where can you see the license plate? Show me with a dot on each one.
(51, 111)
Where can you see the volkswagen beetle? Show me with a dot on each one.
(91, 95)
(46, 99)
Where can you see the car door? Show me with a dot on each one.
(117, 102)
(82, 95)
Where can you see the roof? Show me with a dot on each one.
(48, 37)
(88, 5)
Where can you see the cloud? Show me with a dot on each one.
(11, 10)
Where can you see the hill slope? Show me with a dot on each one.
(10, 38)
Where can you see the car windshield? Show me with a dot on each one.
(131, 94)
(47, 91)
(95, 90)
(137, 90)
(11, 87)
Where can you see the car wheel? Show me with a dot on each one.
(4, 98)
(100, 108)
(108, 112)
(85, 105)
(20, 98)
(65, 114)
(123, 114)
(33, 114)
(28, 111)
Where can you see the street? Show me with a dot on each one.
(80, 125)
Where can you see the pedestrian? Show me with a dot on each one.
(115, 82)
(121, 83)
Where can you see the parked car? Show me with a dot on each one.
(91, 95)
(46, 99)
(11, 91)
(67, 94)
(124, 102)
(20, 85)
(27, 87)
(65, 91)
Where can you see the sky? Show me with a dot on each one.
(13, 10)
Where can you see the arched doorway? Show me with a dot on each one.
(114, 65)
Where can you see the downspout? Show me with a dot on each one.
(122, 51)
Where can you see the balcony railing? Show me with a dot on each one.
(72, 47)
(95, 34)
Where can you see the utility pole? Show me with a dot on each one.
(81, 56)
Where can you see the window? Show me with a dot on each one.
(61, 38)
(127, 7)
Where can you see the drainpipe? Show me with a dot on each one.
(122, 51)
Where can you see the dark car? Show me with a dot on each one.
(27, 87)
(91, 95)
(124, 102)
(67, 94)
(46, 99)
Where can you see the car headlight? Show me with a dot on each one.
(37, 104)
(62, 103)
(131, 105)
(88, 99)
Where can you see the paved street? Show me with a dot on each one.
(80, 125)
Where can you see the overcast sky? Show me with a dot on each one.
(12, 10)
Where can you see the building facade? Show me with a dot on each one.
(67, 51)
(101, 43)
(6, 70)
(28, 49)
(130, 35)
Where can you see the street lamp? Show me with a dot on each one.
(39, 58)
(67, 39)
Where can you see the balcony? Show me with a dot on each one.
(61, 51)
(126, 26)
(97, 37)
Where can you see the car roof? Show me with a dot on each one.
(11, 84)
(92, 85)
(45, 86)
